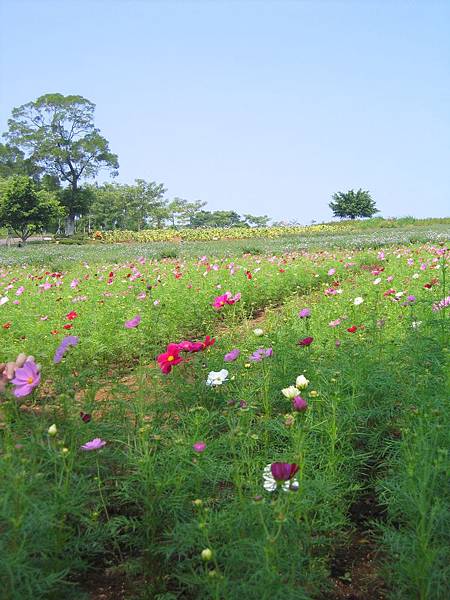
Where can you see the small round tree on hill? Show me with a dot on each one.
(25, 209)
(353, 204)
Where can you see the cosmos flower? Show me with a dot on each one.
(299, 404)
(134, 322)
(307, 341)
(304, 313)
(261, 353)
(26, 379)
(169, 358)
(94, 444)
(232, 355)
(3, 300)
(20, 290)
(357, 301)
(334, 323)
(280, 475)
(301, 382)
(290, 392)
(69, 340)
(199, 447)
(352, 329)
(71, 315)
(441, 304)
(216, 378)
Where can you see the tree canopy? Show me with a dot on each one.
(353, 204)
(24, 208)
(58, 134)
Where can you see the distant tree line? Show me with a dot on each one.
(52, 150)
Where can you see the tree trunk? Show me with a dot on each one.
(69, 227)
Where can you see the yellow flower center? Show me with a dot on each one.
(30, 380)
(170, 358)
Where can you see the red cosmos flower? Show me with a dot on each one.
(178, 275)
(208, 342)
(281, 270)
(389, 292)
(7, 325)
(71, 315)
(111, 274)
(307, 341)
(248, 274)
(169, 358)
(68, 326)
(352, 329)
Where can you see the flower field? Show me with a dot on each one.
(224, 422)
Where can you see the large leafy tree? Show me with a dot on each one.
(24, 208)
(13, 162)
(353, 204)
(58, 134)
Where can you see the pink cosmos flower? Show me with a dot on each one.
(304, 313)
(26, 379)
(94, 444)
(20, 290)
(334, 323)
(331, 272)
(199, 447)
(74, 283)
(134, 322)
(227, 298)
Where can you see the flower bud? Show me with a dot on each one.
(52, 430)
(207, 554)
(258, 332)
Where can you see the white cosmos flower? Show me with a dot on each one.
(290, 392)
(357, 301)
(416, 324)
(217, 377)
(377, 281)
(270, 483)
(301, 382)
(3, 300)
(415, 276)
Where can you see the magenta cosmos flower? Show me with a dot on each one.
(307, 341)
(299, 404)
(283, 471)
(134, 322)
(94, 444)
(199, 446)
(26, 379)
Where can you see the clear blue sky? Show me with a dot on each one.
(259, 106)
